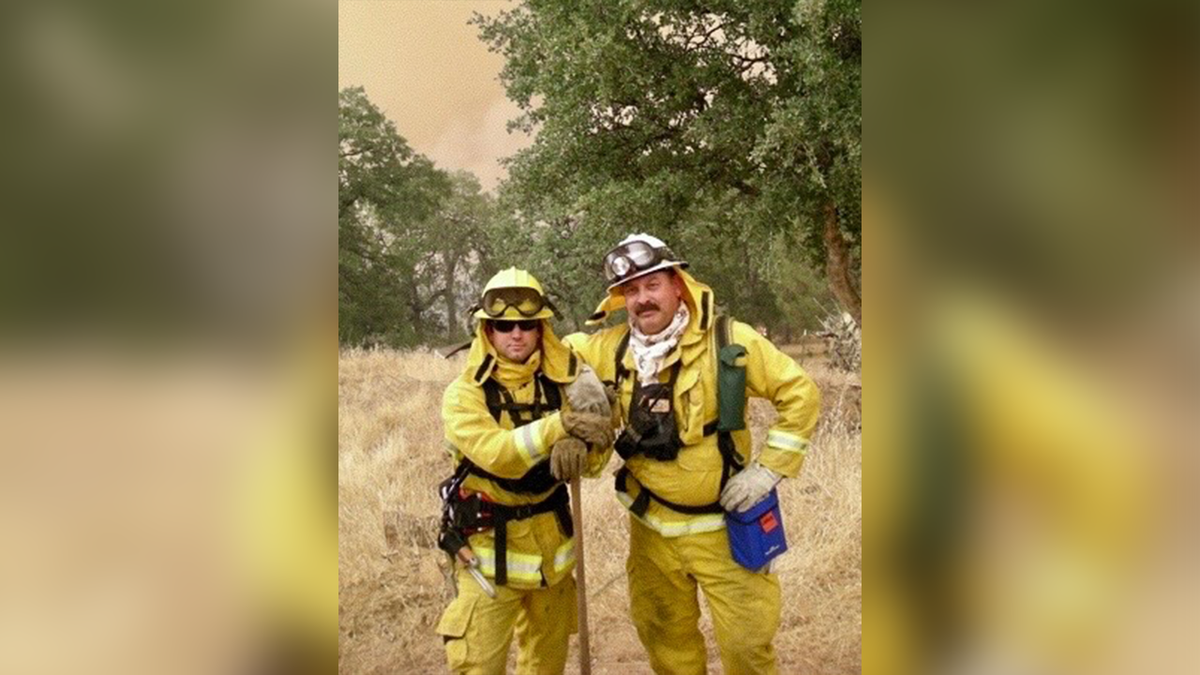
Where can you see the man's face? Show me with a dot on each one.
(652, 301)
(521, 340)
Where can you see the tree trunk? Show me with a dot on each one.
(452, 324)
(837, 265)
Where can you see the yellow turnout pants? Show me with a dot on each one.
(663, 575)
(477, 630)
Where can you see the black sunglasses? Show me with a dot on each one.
(507, 326)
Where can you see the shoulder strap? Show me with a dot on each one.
(724, 332)
(674, 374)
(731, 461)
(498, 399)
(621, 372)
(491, 393)
(553, 392)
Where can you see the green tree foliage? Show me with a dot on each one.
(456, 265)
(716, 125)
(412, 239)
(808, 298)
(386, 196)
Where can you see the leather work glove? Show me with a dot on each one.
(589, 427)
(748, 487)
(587, 393)
(568, 458)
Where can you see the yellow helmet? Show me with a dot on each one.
(513, 295)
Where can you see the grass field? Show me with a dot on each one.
(392, 585)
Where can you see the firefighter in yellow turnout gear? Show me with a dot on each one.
(676, 481)
(514, 440)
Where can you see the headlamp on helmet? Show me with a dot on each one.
(619, 267)
(636, 256)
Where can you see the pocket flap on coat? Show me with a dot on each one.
(457, 616)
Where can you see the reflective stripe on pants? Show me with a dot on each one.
(478, 630)
(664, 573)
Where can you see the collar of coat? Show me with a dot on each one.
(559, 363)
(699, 298)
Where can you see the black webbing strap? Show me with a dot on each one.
(620, 371)
(538, 479)
(731, 461)
(500, 400)
(483, 367)
(642, 501)
(671, 379)
(535, 481)
(730, 464)
(559, 502)
(553, 395)
(491, 395)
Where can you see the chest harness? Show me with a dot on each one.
(652, 428)
(465, 514)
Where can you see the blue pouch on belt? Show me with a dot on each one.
(756, 536)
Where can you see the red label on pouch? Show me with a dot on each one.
(768, 521)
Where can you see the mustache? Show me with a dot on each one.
(644, 307)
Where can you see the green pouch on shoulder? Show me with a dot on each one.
(731, 386)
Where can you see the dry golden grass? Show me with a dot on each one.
(390, 460)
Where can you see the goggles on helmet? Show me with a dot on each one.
(526, 301)
(632, 258)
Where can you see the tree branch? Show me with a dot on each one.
(418, 305)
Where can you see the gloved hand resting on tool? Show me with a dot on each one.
(568, 458)
(748, 487)
(591, 428)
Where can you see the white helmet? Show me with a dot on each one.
(636, 256)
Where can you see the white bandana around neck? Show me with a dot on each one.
(649, 351)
